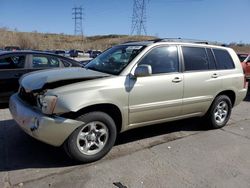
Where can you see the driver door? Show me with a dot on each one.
(157, 98)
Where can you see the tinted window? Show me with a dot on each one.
(162, 60)
(13, 62)
(195, 58)
(223, 59)
(44, 61)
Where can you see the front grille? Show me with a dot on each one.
(27, 96)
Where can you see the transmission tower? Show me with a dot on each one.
(139, 18)
(77, 16)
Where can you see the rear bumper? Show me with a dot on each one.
(240, 96)
(52, 130)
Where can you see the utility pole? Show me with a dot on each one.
(139, 18)
(77, 13)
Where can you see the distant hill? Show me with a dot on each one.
(45, 41)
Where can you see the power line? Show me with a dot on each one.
(77, 13)
(139, 18)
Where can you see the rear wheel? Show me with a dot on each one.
(94, 139)
(219, 112)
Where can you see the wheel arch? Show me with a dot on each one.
(112, 110)
(230, 93)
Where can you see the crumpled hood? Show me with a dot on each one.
(57, 77)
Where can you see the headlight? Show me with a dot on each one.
(47, 103)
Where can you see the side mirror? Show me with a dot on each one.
(143, 70)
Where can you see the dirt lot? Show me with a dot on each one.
(178, 154)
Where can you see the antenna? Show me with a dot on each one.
(77, 16)
(139, 18)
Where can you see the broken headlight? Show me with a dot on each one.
(46, 103)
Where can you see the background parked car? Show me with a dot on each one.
(245, 62)
(94, 53)
(13, 64)
(59, 52)
(73, 53)
(12, 48)
(85, 61)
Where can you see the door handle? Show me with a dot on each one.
(215, 75)
(176, 80)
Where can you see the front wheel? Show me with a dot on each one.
(219, 112)
(94, 139)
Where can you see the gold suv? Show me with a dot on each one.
(129, 85)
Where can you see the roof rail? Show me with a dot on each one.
(130, 41)
(179, 40)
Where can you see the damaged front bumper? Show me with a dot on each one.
(53, 130)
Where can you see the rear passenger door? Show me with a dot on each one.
(201, 79)
(226, 69)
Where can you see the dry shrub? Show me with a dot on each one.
(24, 41)
(44, 41)
(241, 49)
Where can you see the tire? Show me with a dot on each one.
(219, 112)
(93, 140)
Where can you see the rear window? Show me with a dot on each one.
(223, 59)
(65, 63)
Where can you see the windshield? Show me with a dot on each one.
(242, 57)
(115, 59)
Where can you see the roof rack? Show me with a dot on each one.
(130, 41)
(179, 40)
(195, 41)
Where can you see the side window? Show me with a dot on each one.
(223, 59)
(162, 60)
(13, 62)
(40, 61)
(54, 62)
(195, 58)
